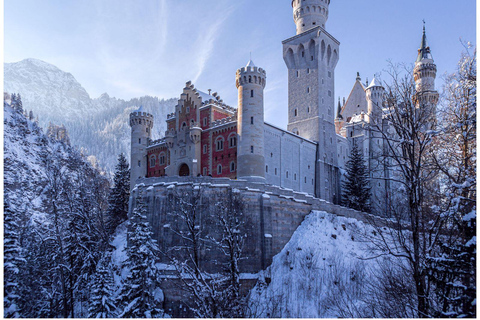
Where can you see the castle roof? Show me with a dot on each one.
(141, 109)
(250, 63)
(205, 96)
(375, 83)
(424, 50)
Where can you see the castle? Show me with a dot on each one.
(206, 137)
(281, 174)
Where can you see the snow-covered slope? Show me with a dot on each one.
(47, 90)
(98, 126)
(321, 272)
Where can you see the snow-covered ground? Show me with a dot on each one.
(322, 271)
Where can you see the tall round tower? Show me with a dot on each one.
(375, 95)
(309, 14)
(251, 82)
(142, 124)
(424, 73)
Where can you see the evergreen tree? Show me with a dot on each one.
(119, 195)
(137, 297)
(13, 262)
(356, 187)
(102, 290)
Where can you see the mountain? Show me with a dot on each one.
(98, 126)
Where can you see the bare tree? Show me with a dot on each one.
(452, 268)
(407, 138)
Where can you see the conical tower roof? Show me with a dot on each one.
(424, 51)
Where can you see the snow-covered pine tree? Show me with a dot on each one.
(101, 300)
(356, 188)
(119, 195)
(137, 298)
(13, 262)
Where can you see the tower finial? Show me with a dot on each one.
(424, 50)
(358, 77)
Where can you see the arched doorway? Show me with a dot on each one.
(184, 171)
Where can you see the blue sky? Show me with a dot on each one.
(130, 48)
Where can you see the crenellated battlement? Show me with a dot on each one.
(309, 14)
(251, 75)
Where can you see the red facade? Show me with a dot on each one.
(218, 145)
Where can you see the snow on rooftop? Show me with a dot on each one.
(375, 83)
(205, 96)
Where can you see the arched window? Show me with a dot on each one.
(296, 112)
(286, 174)
(219, 143)
(251, 93)
(232, 140)
(184, 124)
(266, 169)
(204, 149)
(162, 158)
(152, 161)
(232, 166)
(219, 169)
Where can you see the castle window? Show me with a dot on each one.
(266, 169)
(232, 166)
(329, 74)
(296, 112)
(295, 177)
(219, 169)
(309, 167)
(314, 23)
(251, 94)
(162, 158)
(286, 174)
(298, 74)
(251, 120)
(329, 93)
(152, 161)
(251, 149)
(271, 155)
(308, 89)
(204, 171)
(184, 124)
(308, 69)
(204, 149)
(188, 110)
(312, 182)
(139, 163)
(303, 52)
(305, 179)
(205, 121)
(308, 109)
(232, 140)
(146, 129)
(275, 171)
(192, 123)
(219, 143)
(323, 81)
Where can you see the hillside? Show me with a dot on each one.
(327, 270)
(98, 126)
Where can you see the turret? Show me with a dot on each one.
(309, 14)
(375, 93)
(339, 118)
(142, 124)
(424, 73)
(250, 82)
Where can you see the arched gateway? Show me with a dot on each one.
(184, 171)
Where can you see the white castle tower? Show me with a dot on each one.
(250, 82)
(308, 14)
(374, 143)
(142, 124)
(424, 73)
(311, 57)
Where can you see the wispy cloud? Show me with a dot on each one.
(206, 41)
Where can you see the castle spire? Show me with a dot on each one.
(424, 50)
(339, 110)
